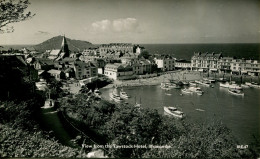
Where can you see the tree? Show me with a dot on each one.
(12, 11)
(144, 54)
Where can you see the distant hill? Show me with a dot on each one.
(55, 43)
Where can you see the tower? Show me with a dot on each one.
(65, 47)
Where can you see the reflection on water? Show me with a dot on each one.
(240, 114)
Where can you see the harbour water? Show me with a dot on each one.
(240, 114)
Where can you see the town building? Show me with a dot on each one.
(43, 64)
(118, 71)
(84, 70)
(247, 67)
(90, 52)
(118, 50)
(165, 63)
(116, 47)
(205, 61)
(147, 66)
(57, 74)
(252, 67)
(224, 64)
(183, 64)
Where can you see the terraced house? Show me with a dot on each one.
(116, 47)
(205, 61)
(247, 67)
(224, 64)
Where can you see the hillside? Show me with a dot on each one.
(55, 43)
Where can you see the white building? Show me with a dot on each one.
(165, 64)
(242, 66)
(118, 71)
(205, 61)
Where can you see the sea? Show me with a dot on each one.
(186, 51)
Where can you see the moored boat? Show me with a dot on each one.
(185, 83)
(236, 92)
(192, 83)
(211, 80)
(196, 90)
(172, 111)
(174, 85)
(199, 93)
(165, 86)
(231, 85)
(186, 91)
(115, 97)
(253, 84)
(245, 86)
(222, 80)
(205, 83)
(123, 94)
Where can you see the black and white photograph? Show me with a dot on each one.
(130, 79)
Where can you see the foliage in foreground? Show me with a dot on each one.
(21, 143)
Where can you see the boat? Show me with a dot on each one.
(174, 85)
(115, 97)
(199, 93)
(196, 90)
(236, 92)
(185, 83)
(165, 86)
(210, 80)
(252, 84)
(231, 85)
(172, 111)
(192, 83)
(205, 83)
(138, 105)
(49, 103)
(222, 80)
(245, 86)
(201, 110)
(186, 91)
(255, 85)
(123, 94)
(168, 94)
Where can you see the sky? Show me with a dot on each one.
(140, 21)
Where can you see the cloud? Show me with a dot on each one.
(117, 25)
(42, 33)
(128, 25)
(103, 25)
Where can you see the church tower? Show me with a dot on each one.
(65, 47)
